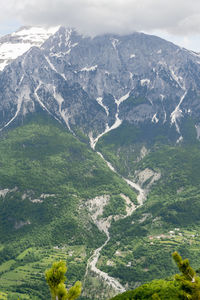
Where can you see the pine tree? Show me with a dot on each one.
(188, 280)
(55, 277)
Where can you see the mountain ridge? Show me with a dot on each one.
(164, 88)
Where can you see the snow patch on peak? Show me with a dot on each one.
(100, 101)
(155, 119)
(162, 96)
(123, 98)
(35, 34)
(177, 78)
(145, 81)
(74, 45)
(177, 113)
(23, 98)
(10, 51)
(88, 69)
(63, 112)
(19, 42)
(116, 124)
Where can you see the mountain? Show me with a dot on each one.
(161, 80)
(99, 160)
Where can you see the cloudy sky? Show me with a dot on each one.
(175, 20)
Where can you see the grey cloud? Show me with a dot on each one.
(117, 16)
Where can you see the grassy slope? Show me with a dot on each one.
(146, 243)
(41, 157)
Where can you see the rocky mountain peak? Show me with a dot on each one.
(97, 83)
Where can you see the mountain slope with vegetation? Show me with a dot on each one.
(169, 219)
(46, 177)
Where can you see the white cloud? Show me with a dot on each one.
(180, 17)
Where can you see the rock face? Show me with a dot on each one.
(95, 83)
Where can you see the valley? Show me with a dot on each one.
(104, 225)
